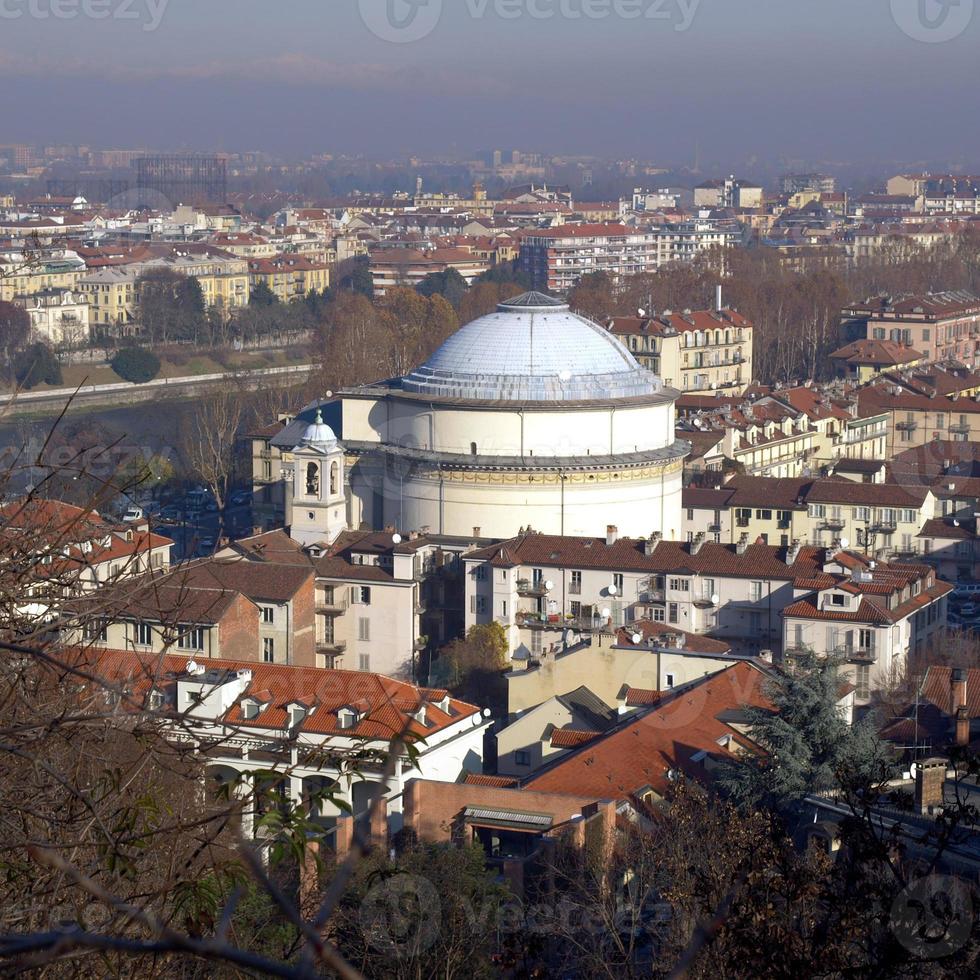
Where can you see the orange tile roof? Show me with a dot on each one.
(666, 737)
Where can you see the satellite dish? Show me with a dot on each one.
(845, 542)
(396, 539)
(549, 585)
(956, 523)
(637, 639)
(641, 312)
(612, 590)
(606, 613)
(715, 599)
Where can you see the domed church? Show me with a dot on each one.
(529, 417)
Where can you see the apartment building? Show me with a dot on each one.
(549, 592)
(70, 551)
(863, 360)
(917, 417)
(728, 193)
(59, 317)
(685, 241)
(24, 275)
(391, 267)
(556, 259)
(940, 326)
(383, 600)
(873, 615)
(881, 519)
(289, 277)
(704, 350)
(111, 296)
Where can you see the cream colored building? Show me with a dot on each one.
(692, 351)
(529, 416)
(24, 274)
(59, 318)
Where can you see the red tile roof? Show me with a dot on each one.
(666, 737)
(386, 705)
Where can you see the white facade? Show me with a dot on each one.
(531, 416)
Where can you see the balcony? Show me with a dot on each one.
(857, 655)
(884, 526)
(907, 426)
(961, 429)
(531, 589)
(332, 607)
(575, 588)
(331, 648)
(832, 524)
(579, 624)
(652, 597)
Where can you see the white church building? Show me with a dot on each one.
(531, 416)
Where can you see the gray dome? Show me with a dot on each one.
(532, 349)
(319, 435)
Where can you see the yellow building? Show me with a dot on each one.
(111, 295)
(23, 275)
(224, 279)
(289, 277)
(707, 350)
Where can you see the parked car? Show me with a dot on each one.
(133, 514)
(966, 590)
(206, 546)
(240, 497)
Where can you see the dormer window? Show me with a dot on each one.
(156, 700)
(251, 709)
(347, 718)
(837, 599)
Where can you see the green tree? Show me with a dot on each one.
(357, 277)
(262, 295)
(507, 273)
(449, 284)
(170, 306)
(807, 745)
(136, 364)
(37, 365)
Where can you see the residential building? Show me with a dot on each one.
(408, 267)
(550, 592)
(71, 551)
(639, 760)
(941, 326)
(645, 655)
(289, 277)
(556, 259)
(59, 317)
(728, 193)
(874, 615)
(111, 295)
(706, 350)
(24, 275)
(688, 240)
(863, 360)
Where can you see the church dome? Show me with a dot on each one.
(319, 435)
(532, 349)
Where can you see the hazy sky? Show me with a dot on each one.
(810, 79)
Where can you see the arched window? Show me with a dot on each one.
(334, 479)
(472, 448)
(312, 480)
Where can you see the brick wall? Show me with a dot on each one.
(304, 624)
(238, 632)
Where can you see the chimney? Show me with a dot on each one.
(957, 691)
(962, 726)
(793, 553)
(743, 544)
(612, 535)
(719, 306)
(477, 532)
(650, 545)
(930, 783)
(698, 543)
